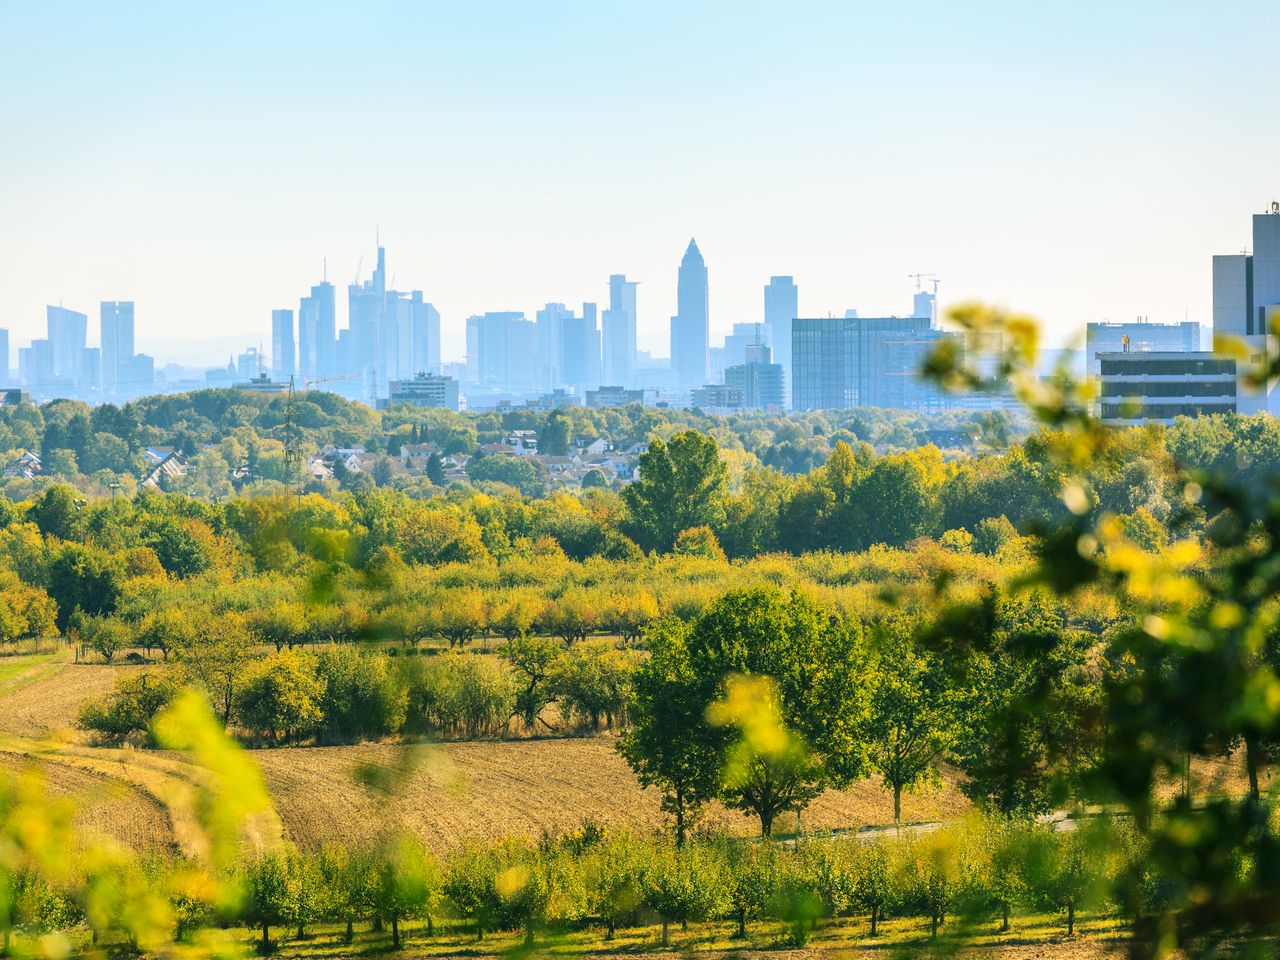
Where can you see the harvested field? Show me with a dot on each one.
(455, 792)
(105, 806)
(46, 696)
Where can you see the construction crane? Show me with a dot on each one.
(920, 278)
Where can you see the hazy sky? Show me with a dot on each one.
(1078, 160)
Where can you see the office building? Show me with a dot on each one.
(116, 335)
(613, 396)
(758, 379)
(502, 351)
(425, 390)
(690, 327)
(283, 353)
(744, 336)
(781, 307)
(317, 326)
(716, 398)
(67, 335)
(840, 362)
(1140, 336)
(1156, 386)
(1246, 301)
(618, 332)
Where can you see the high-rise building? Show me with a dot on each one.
(283, 354)
(116, 319)
(366, 310)
(690, 327)
(1107, 337)
(1246, 300)
(317, 325)
(5, 369)
(67, 332)
(758, 379)
(618, 333)
(781, 306)
(501, 350)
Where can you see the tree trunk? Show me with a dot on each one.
(301, 930)
(1004, 918)
(431, 926)
(528, 934)
(679, 820)
(351, 931)
(608, 928)
(377, 923)
(933, 926)
(742, 923)
(875, 919)
(684, 925)
(766, 823)
(395, 932)
(266, 938)
(666, 933)
(897, 803)
(1071, 919)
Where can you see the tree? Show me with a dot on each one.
(406, 883)
(279, 698)
(665, 746)
(128, 711)
(85, 579)
(790, 684)
(435, 469)
(684, 884)
(914, 714)
(103, 635)
(683, 484)
(535, 660)
(553, 441)
(266, 896)
(215, 655)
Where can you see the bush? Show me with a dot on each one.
(593, 684)
(460, 694)
(280, 699)
(363, 698)
(125, 714)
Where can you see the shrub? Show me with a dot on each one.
(460, 694)
(125, 714)
(362, 699)
(593, 683)
(280, 699)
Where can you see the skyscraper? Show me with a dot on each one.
(283, 355)
(1246, 298)
(618, 333)
(862, 362)
(317, 324)
(67, 332)
(116, 318)
(781, 306)
(690, 327)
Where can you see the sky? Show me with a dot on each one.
(1076, 160)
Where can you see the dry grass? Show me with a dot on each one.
(455, 792)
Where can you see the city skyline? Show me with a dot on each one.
(995, 161)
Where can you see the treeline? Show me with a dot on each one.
(345, 694)
(965, 879)
(83, 552)
(226, 428)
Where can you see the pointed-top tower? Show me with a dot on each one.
(690, 327)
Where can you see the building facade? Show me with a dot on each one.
(425, 390)
(1157, 386)
(284, 355)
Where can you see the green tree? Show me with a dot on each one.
(915, 712)
(266, 896)
(665, 746)
(683, 483)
